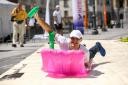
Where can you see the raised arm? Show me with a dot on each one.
(43, 24)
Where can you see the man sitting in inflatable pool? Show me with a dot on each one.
(73, 42)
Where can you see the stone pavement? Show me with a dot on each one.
(109, 70)
(111, 34)
(9, 56)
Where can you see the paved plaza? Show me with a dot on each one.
(109, 70)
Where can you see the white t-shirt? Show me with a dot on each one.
(31, 22)
(64, 45)
(58, 15)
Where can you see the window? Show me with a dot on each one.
(98, 2)
(90, 2)
(121, 2)
(65, 13)
(107, 2)
(66, 3)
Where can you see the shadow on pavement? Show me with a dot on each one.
(96, 73)
(95, 65)
(5, 50)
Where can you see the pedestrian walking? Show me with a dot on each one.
(18, 17)
(32, 26)
(58, 20)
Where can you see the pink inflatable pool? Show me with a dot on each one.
(60, 63)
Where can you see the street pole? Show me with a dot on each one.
(95, 31)
(112, 14)
(118, 25)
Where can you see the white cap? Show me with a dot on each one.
(76, 33)
(57, 6)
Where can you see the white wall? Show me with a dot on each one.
(69, 9)
(5, 23)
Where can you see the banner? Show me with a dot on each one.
(47, 16)
(77, 15)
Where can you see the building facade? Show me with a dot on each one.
(116, 10)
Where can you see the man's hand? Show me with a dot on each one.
(36, 16)
(42, 23)
(12, 18)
